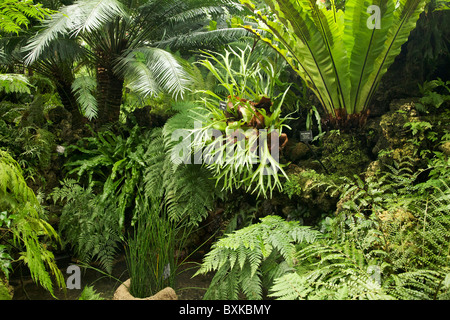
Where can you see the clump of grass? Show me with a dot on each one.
(150, 253)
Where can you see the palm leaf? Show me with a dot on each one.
(83, 88)
(151, 70)
(83, 15)
(53, 27)
(203, 39)
(95, 14)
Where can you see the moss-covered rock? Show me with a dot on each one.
(373, 169)
(6, 291)
(345, 154)
(393, 133)
(445, 148)
(296, 151)
(396, 139)
(305, 190)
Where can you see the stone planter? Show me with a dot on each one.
(122, 293)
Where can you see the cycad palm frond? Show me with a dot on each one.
(83, 88)
(83, 15)
(202, 39)
(151, 70)
(124, 38)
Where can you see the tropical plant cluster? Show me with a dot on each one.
(150, 129)
(389, 240)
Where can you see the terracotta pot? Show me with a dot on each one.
(122, 293)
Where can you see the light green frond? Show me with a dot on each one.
(28, 224)
(14, 83)
(82, 16)
(340, 54)
(149, 71)
(261, 252)
(84, 88)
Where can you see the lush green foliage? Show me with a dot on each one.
(249, 259)
(24, 134)
(249, 91)
(389, 240)
(111, 164)
(431, 95)
(23, 217)
(338, 53)
(152, 170)
(14, 83)
(89, 293)
(124, 44)
(15, 14)
(113, 171)
(89, 224)
(109, 169)
(150, 251)
(186, 189)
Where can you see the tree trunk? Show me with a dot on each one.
(70, 103)
(109, 91)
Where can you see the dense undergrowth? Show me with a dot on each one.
(112, 144)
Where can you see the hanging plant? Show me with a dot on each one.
(240, 136)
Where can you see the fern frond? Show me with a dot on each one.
(90, 224)
(251, 251)
(28, 223)
(188, 189)
(84, 88)
(333, 270)
(14, 83)
(290, 286)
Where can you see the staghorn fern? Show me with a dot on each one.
(241, 76)
(249, 259)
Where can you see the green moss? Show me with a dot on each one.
(4, 291)
(307, 188)
(344, 154)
